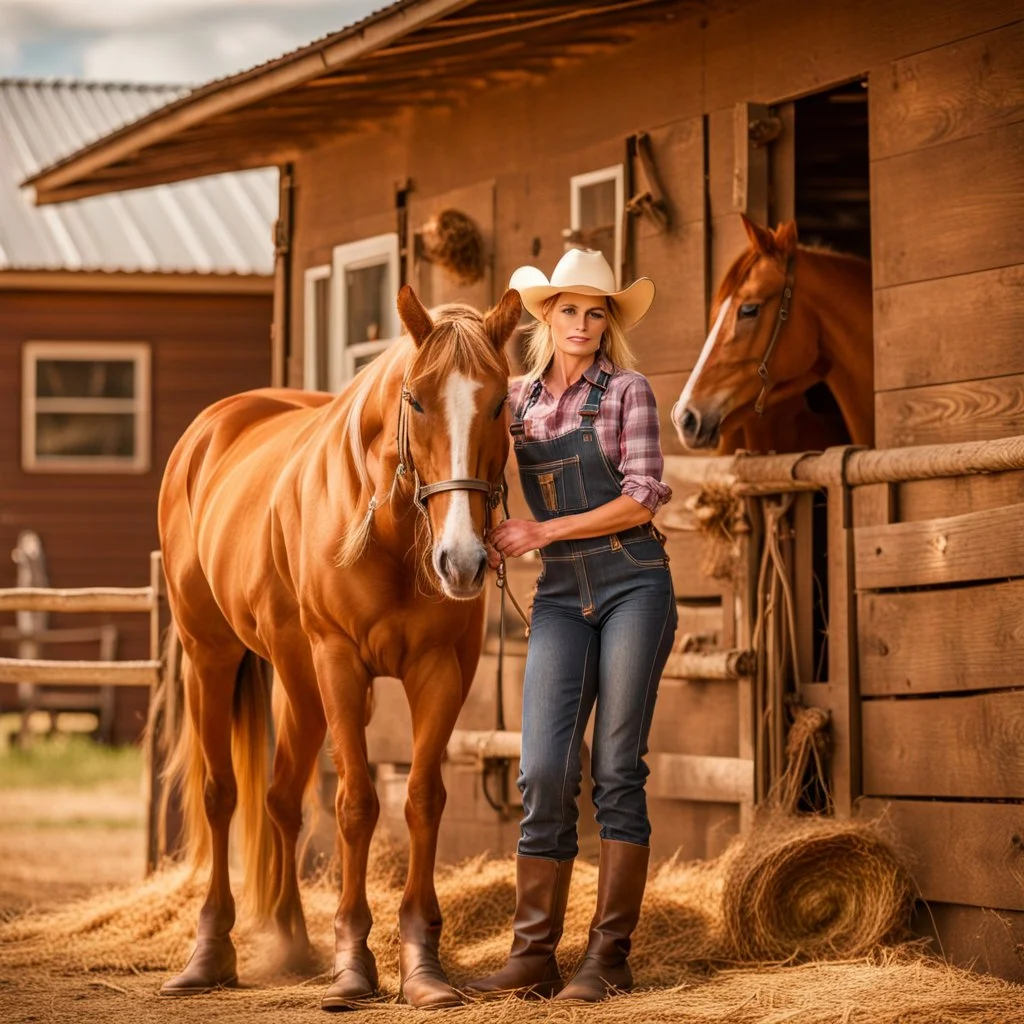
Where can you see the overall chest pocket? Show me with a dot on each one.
(555, 486)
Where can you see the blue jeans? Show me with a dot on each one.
(601, 630)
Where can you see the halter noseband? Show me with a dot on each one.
(495, 491)
(762, 370)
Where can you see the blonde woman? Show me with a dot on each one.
(585, 432)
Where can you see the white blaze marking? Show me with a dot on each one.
(684, 398)
(458, 536)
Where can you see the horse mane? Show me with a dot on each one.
(453, 345)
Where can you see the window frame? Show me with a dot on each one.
(311, 343)
(615, 173)
(366, 252)
(139, 353)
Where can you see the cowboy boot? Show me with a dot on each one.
(422, 980)
(621, 879)
(542, 892)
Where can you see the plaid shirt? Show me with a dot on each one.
(627, 426)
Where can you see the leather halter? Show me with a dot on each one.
(762, 370)
(495, 491)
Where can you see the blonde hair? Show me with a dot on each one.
(540, 342)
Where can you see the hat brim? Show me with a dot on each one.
(632, 303)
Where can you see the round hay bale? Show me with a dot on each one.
(814, 889)
(452, 240)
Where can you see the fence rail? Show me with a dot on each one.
(84, 599)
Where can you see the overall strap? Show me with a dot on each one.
(592, 405)
(518, 427)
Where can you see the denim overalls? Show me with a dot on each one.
(602, 626)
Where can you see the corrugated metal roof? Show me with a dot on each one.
(215, 225)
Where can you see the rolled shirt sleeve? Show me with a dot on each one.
(641, 460)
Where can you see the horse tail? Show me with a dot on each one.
(250, 754)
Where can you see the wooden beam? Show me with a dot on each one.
(137, 281)
(79, 673)
(84, 599)
(702, 778)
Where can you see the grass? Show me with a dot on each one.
(63, 760)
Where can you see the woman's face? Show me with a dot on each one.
(577, 323)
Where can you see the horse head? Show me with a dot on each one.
(453, 431)
(740, 368)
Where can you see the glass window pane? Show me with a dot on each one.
(597, 217)
(84, 378)
(367, 293)
(321, 313)
(61, 434)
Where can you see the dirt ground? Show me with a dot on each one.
(84, 937)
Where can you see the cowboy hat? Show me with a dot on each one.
(585, 272)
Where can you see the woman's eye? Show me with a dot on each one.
(597, 315)
(749, 310)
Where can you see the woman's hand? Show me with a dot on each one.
(493, 555)
(514, 537)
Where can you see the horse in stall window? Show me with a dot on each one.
(786, 319)
(338, 538)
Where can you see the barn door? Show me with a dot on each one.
(450, 252)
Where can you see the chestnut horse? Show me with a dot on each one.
(339, 538)
(785, 318)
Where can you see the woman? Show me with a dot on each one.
(585, 432)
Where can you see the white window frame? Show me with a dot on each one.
(86, 352)
(580, 181)
(367, 252)
(311, 343)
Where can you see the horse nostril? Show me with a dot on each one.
(479, 577)
(690, 421)
(443, 564)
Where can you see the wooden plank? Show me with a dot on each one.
(704, 778)
(959, 852)
(82, 599)
(949, 209)
(710, 665)
(872, 505)
(976, 546)
(698, 718)
(79, 673)
(976, 410)
(973, 324)
(690, 830)
(964, 88)
(686, 555)
(936, 641)
(970, 747)
(973, 492)
(980, 939)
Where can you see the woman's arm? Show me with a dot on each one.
(515, 537)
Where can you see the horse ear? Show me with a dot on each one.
(414, 316)
(786, 238)
(500, 322)
(761, 238)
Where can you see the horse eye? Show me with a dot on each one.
(501, 405)
(749, 310)
(416, 405)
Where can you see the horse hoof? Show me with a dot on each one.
(212, 965)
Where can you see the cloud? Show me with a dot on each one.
(188, 41)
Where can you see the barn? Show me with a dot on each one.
(646, 128)
(120, 318)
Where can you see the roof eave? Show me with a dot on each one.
(63, 181)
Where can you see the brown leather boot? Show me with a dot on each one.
(621, 879)
(542, 892)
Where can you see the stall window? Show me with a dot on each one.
(364, 285)
(316, 327)
(86, 407)
(596, 214)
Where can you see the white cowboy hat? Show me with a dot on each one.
(585, 272)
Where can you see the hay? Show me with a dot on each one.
(814, 888)
(720, 518)
(94, 960)
(453, 241)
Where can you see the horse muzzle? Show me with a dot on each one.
(461, 572)
(696, 429)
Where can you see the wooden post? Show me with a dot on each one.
(744, 596)
(163, 815)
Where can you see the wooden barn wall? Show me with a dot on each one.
(98, 529)
(522, 144)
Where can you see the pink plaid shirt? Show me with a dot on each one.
(627, 426)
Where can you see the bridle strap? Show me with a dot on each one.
(783, 316)
(467, 484)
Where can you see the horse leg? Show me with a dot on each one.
(435, 692)
(300, 728)
(210, 685)
(344, 684)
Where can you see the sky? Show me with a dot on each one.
(186, 42)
